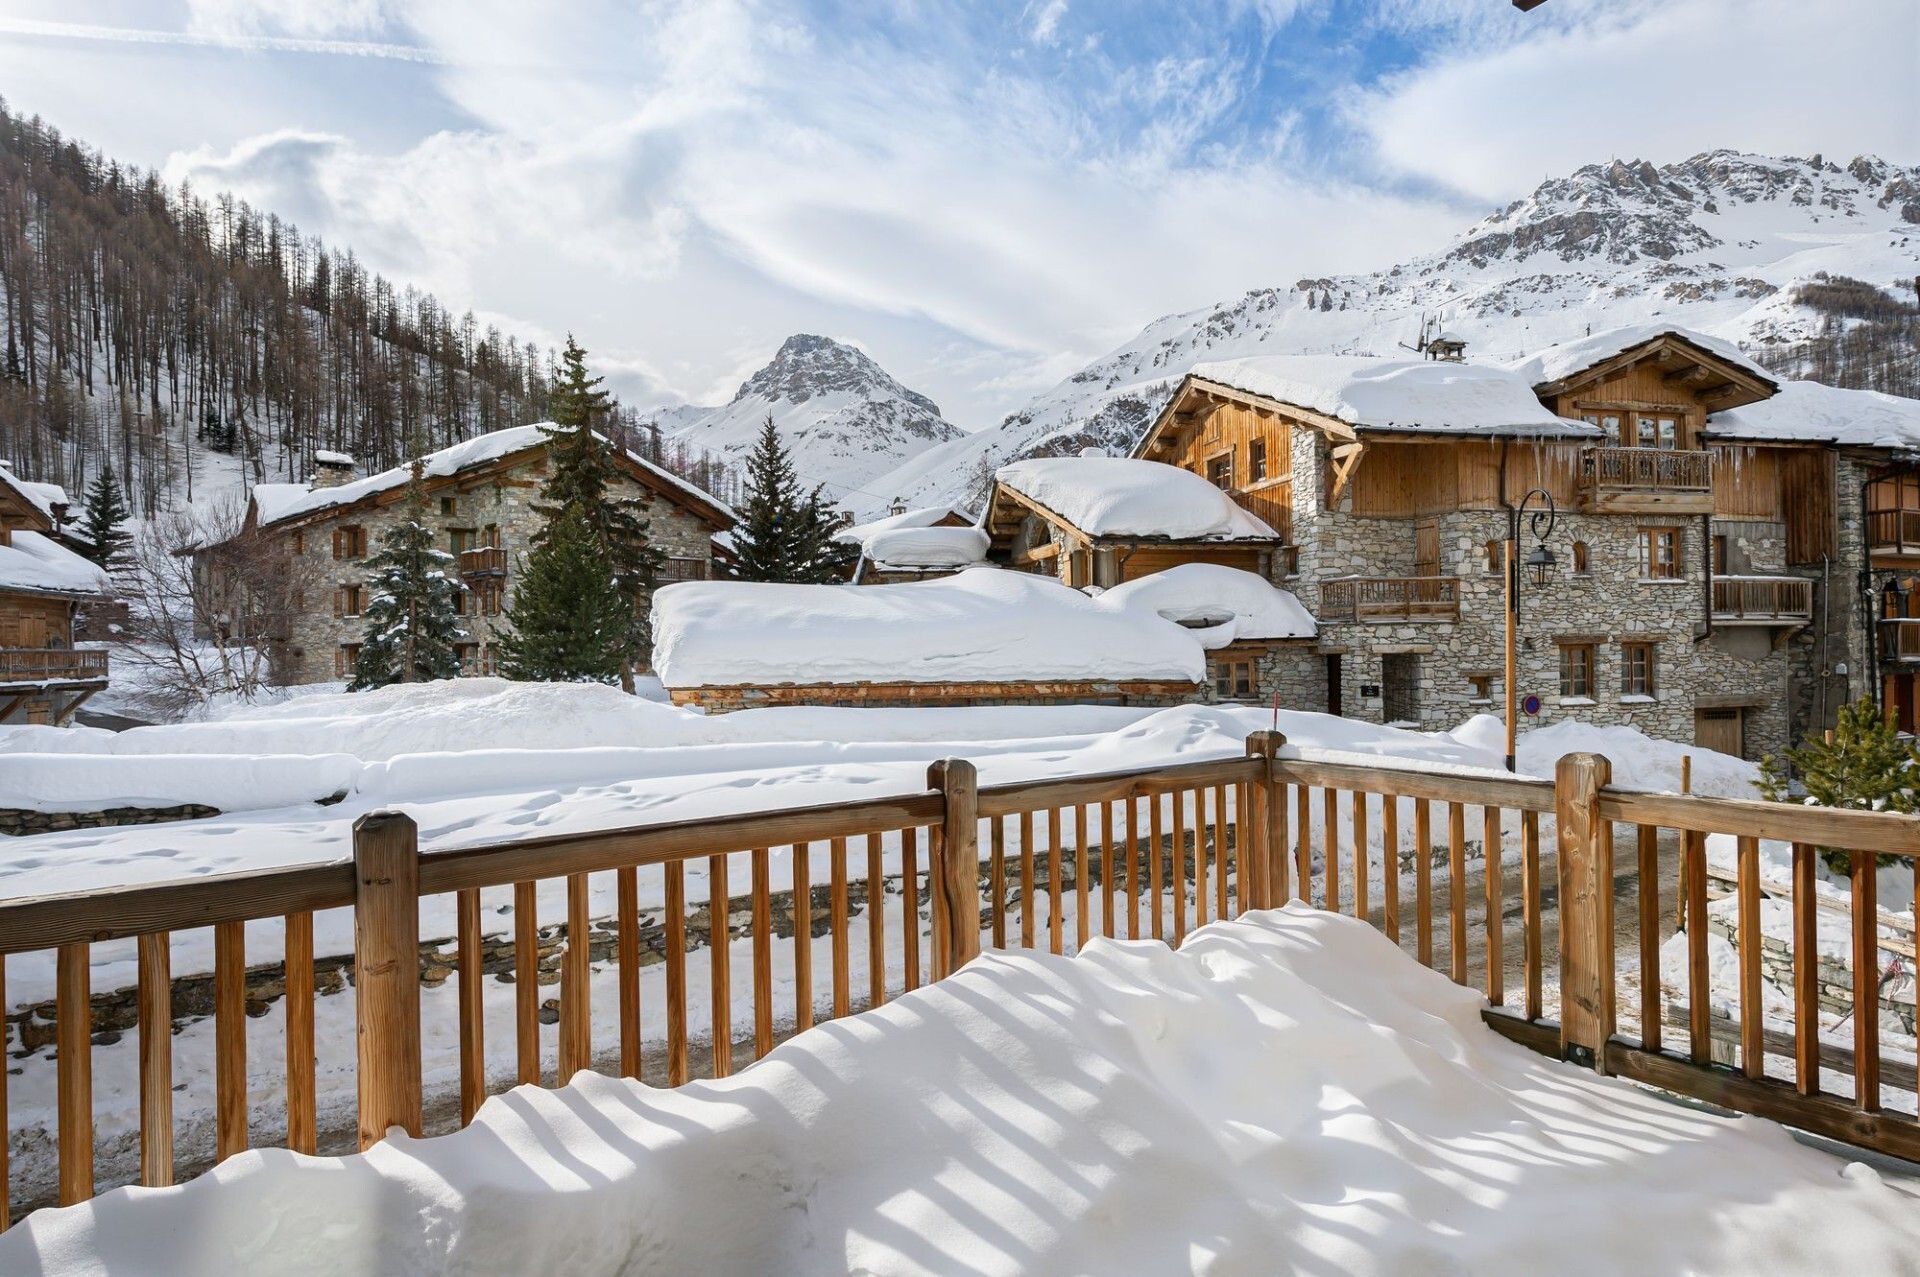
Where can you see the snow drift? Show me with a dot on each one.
(1406, 394)
(1125, 496)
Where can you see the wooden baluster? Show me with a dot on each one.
(1423, 878)
(1156, 867)
(1357, 818)
(1199, 858)
(6, 1202)
(386, 974)
(1303, 846)
(674, 905)
(1027, 932)
(230, 1039)
(156, 1062)
(1179, 868)
(1866, 982)
(1222, 852)
(1806, 973)
(1457, 890)
(1055, 932)
(1648, 868)
(73, 1048)
(526, 981)
(720, 957)
(1530, 908)
(1108, 838)
(576, 1007)
(1693, 847)
(997, 878)
(473, 1054)
(627, 882)
(876, 923)
(762, 952)
(1586, 907)
(1082, 925)
(1134, 867)
(803, 936)
(1250, 859)
(1330, 838)
(1390, 862)
(1752, 1013)
(1494, 843)
(303, 1103)
(838, 902)
(953, 877)
(910, 903)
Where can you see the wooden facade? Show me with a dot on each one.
(44, 679)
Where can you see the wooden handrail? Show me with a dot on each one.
(117, 913)
(1390, 598)
(1762, 597)
(1673, 469)
(1885, 833)
(18, 664)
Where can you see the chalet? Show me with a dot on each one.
(44, 678)
(914, 545)
(480, 499)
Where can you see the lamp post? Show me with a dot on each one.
(1540, 564)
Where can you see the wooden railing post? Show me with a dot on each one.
(1271, 809)
(386, 972)
(954, 883)
(1586, 909)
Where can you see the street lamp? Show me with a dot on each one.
(1540, 564)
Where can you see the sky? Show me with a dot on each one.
(982, 196)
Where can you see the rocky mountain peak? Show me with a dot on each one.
(808, 365)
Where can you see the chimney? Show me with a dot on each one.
(330, 469)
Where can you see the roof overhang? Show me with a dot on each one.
(1197, 398)
(1714, 381)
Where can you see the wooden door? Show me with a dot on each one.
(1723, 730)
(1426, 548)
(1333, 684)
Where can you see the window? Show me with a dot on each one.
(1656, 432)
(1636, 669)
(1256, 460)
(350, 600)
(1659, 554)
(448, 505)
(300, 542)
(487, 596)
(1576, 670)
(460, 540)
(1495, 557)
(350, 542)
(1607, 421)
(1480, 689)
(346, 660)
(1581, 565)
(1220, 471)
(462, 603)
(1400, 695)
(1720, 554)
(1233, 678)
(490, 536)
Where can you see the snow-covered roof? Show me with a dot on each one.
(1125, 496)
(1570, 357)
(465, 455)
(1234, 605)
(271, 501)
(982, 625)
(925, 517)
(40, 564)
(1426, 395)
(41, 496)
(927, 547)
(1810, 412)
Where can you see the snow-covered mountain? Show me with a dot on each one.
(1723, 243)
(843, 419)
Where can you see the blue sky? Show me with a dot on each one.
(984, 196)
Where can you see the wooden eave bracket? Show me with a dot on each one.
(1346, 459)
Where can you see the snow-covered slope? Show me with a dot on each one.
(843, 418)
(1719, 243)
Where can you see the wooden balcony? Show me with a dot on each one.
(1893, 533)
(1372, 599)
(683, 570)
(488, 560)
(1646, 481)
(22, 667)
(1762, 600)
(1900, 640)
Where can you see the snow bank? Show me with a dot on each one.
(927, 547)
(38, 562)
(1286, 1093)
(1397, 394)
(1810, 411)
(924, 517)
(983, 625)
(1210, 594)
(1125, 496)
(1639, 761)
(231, 782)
(1569, 357)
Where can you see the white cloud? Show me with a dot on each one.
(1046, 21)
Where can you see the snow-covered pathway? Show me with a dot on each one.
(1287, 1093)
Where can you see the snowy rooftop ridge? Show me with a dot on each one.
(465, 455)
(1126, 496)
(41, 496)
(924, 517)
(38, 564)
(1812, 412)
(1236, 606)
(1570, 357)
(1426, 395)
(926, 547)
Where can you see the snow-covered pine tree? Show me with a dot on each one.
(571, 622)
(104, 520)
(412, 625)
(784, 534)
(1866, 765)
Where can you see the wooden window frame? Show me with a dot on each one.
(346, 660)
(350, 542)
(1644, 681)
(1590, 652)
(1650, 559)
(1231, 674)
(1256, 461)
(449, 506)
(1582, 559)
(1207, 464)
(1686, 433)
(1481, 686)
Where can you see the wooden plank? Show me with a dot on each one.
(1457, 891)
(954, 883)
(1882, 832)
(1330, 835)
(838, 926)
(473, 1055)
(1027, 932)
(1222, 852)
(1200, 909)
(1530, 908)
(73, 1049)
(1250, 848)
(627, 959)
(576, 984)
(526, 981)
(1156, 868)
(674, 906)
(1106, 787)
(1493, 843)
(910, 905)
(762, 952)
(386, 965)
(1108, 839)
(303, 1099)
(1178, 876)
(1486, 791)
(1806, 972)
(997, 878)
(877, 920)
(1303, 845)
(1357, 818)
(230, 1038)
(1586, 916)
(803, 936)
(720, 964)
(1134, 868)
(1081, 886)
(1390, 865)
(1752, 1013)
(1866, 983)
(6, 1201)
(156, 1061)
(1693, 864)
(1649, 901)
(1423, 879)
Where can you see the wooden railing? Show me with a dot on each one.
(1899, 638)
(1390, 598)
(1762, 599)
(51, 664)
(1664, 469)
(1893, 531)
(487, 560)
(1048, 865)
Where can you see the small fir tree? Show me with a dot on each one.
(412, 621)
(571, 622)
(784, 533)
(1865, 766)
(104, 520)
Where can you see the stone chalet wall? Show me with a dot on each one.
(725, 700)
(18, 821)
(506, 500)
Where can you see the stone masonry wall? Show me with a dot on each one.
(19, 821)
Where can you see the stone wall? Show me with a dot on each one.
(725, 700)
(18, 821)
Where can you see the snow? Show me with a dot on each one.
(1216, 596)
(37, 562)
(1287, 1092)
(1426, 395)
(924, 517)
(1569, 357)
(1639, 761)
(273, 501)
(982, 625)
(41, 496)
(1812, 412)
(927, 547)
(230, 782)
(327, 457)
(1123, 496)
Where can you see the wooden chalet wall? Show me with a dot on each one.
(1642, 388)
(1228, 431)
(34, 620)
(1788, 484)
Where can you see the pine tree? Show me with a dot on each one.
(784, 534)
(104, 520)
(571, 622)
(1866, 765)
(412, 627)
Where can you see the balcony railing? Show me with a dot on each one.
(1390, 598)
(1893, 531)
(1656, 469)
(682, 570)
(1762, 600)
(1900, 638)
(488, 560)
(51, 665)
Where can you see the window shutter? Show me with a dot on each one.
(339, 600)
(336, 542)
